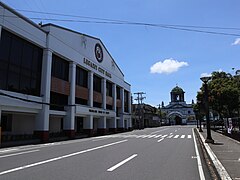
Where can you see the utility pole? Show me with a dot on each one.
(160, 114)
(140, 99)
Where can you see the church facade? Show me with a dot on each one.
(178, 112)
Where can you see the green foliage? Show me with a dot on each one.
(224, 93)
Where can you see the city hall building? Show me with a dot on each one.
(54, 80)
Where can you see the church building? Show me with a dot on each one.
(178, 112)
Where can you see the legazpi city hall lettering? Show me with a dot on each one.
(94, 66)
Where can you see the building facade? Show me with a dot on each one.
(145, 116)
(54, 80)
(178, 112)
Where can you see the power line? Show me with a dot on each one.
(190, 28)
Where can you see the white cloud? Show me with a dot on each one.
(167, 66)
(236, 42)
(206, 75)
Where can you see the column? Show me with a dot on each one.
(113, 125)
(0, 31)
(102, 125)
(114, 90)
(0, 126)
(104, 94)
(42, 118)
(113, 121)
(121, 121)
(90, 89)
(88, 125)
(69, 119)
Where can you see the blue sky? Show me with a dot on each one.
(154, 59)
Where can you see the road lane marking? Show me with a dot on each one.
(59, 158)
(170, 136)
(8, 150)
(164, 136)
(189, 136)
(176, 136)
(150, 136)
(182, 136)
(26, 152)
(199, 163)
(121, 163)
(160, 140)
(157, 136)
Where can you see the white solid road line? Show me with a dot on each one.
(15, 154)
(59, 158)
(200, 168)
(121, 163)
(8, 150)
(218, 165)
(160, 140)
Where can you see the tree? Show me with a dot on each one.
(223, 94)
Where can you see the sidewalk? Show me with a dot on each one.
(225, 154)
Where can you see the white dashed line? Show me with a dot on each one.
(121, 163)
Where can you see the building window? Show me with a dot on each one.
(81, 77)
(109, 107)
(60, 68)
(96, 104)
(20, 65)
(6, 123)
(81, 101)
(118, 92)
(58, 101)
(126, 98)
(97, 86)
(109, 89)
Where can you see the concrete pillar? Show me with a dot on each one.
(69, 119)
(113, 121)
(0, 126)
(129, 103)
(102, 126)
(0, 31)
(88, 125)
(114, 90)
(90, 89)
(104, 93)
(113, 125)
(42, 118)
(121, 121)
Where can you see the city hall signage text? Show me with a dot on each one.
(94, 66)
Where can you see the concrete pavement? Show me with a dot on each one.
(166, 153)
(225, 154)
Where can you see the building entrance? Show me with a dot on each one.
(178, 120)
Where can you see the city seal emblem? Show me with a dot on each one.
(98, 53)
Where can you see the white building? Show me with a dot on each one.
(178, 112)
(55, 80)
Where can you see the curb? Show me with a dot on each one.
(223, 174)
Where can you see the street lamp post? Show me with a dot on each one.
(205, 81)
(200, 120)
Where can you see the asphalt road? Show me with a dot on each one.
(149, 154)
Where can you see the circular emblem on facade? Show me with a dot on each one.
(98, 53)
